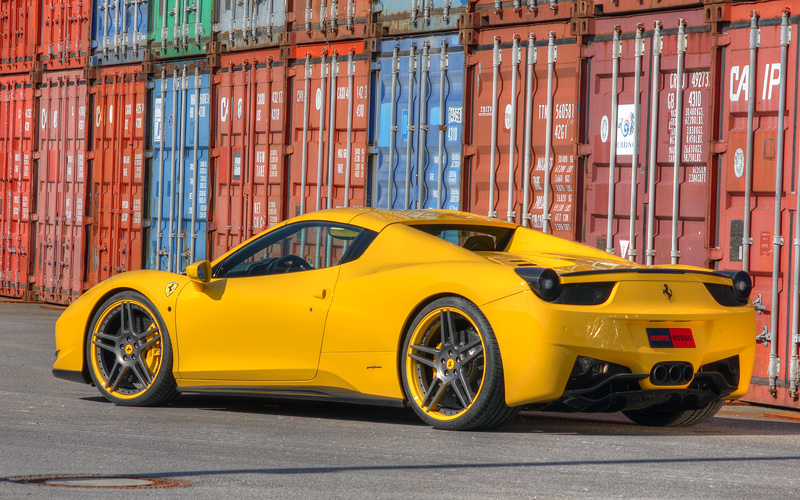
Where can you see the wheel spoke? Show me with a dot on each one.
(465, 384)
(142, 373)
(111, 387)
(434, 395)
(109, 348)
(469, 346)
(127, 310)
(150, 342)
(106, 336)
(425, 349)
(467, 357)
(424, 361)
(451, 327)
(147, 333)
(460, 393)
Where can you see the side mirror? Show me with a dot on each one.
(199, 271)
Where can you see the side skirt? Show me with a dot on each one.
(304, 393)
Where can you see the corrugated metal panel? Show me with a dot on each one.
(488, 13)
(119, 31)
(752, 165)
(411, 68)
(511, 137)
(331, 146)
(318, 21)
(118, 171)
(679, 232)
(16, 146)
(250, 24)
(612, 8)
(61, 187)
(179, 192)
(250, 176)
(180, 28)
(66, 34)
(418, 16)
(20, 27)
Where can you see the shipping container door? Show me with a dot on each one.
(180, 27)
(402, 16)
(117, 200)
(119, 31)
(751, 164)
(178, 191)
(330, 146)
(20, 27)
(250, 24)
(670, 219)
(66, 34)
(419, 84)
(61, 187)
(250, 185)
(329, 20)
(16, 145)
(522, 144)
(489, 13)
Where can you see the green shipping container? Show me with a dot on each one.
(180, 28)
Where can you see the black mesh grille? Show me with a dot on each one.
(585, 294)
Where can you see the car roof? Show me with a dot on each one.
(377, 219)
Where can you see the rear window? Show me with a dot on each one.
(471, 237)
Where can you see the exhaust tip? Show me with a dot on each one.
(672, 373)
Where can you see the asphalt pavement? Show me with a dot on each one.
(241, 448)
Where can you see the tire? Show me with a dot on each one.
(129, 354)
(451, 368)
(678, 418)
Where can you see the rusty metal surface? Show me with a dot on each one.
(65, 34)
(20, 25)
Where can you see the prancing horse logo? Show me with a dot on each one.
(171, 287)
(667, 292)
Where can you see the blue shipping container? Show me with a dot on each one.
(414, 16)
(119, 31)
(410, 151)
(179, 193)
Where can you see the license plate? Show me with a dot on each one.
(671, 337)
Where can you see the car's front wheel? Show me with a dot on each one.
(451, 368)
(128, 352)
(676, 418)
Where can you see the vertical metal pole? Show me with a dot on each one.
(351, 71)
(552, 56)
(351, 14)
(195, 169)
(309, 15)
(164, 29)
(334, 15)
(198, 24)
(422, 136)
(323, 74)
(161, 167)
(332, 128)
(794, 363)
(135, 32)
(122, 32)
(106, 33)
(442, 125)
(270, 18)
(446, 10)
(4, 183)
(651, 181)
(412, 70)
(323, 15)
(180, 171)
(414, 11)
(176, 27)
(676, 165)
(304, 157)
(512, 142)
(777, 239)
(20, 250)
(173, 174)
(637, 130)
(426, 11)
(755, 39)
(498, 5)
(393, 124)
(526, 147)
(616, 52)
(496, 60)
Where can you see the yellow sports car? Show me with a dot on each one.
(464, 318)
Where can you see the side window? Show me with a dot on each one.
(297, 247)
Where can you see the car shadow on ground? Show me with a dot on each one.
(729, 422)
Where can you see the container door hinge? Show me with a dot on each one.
(758, 304)
(373, 150)
(764, 336)
(146, 223)
(375, 66)
(469, 150)
(719, 147)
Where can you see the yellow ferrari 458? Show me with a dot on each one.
(464, 318)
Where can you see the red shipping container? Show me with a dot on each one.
(521, 104)
(119, 100)
(250, 180)
(66, 34)
(61, 198)
(682, 50)
(753, 146)
(16, 146)
(610, 8)
(329, 134)
(19, 34)
(490, 13)
(315, 21)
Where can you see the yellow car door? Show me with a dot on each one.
(262, 316)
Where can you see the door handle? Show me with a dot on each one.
(321, 294)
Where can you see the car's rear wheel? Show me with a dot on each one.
(677, 418)
(128, 352)
(451, 368)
